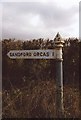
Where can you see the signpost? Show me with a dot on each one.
(34, 54)
(56, 54)
(59, 77)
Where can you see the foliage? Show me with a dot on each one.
(29, 85)
(37, 100)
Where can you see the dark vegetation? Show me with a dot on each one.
(29, 85)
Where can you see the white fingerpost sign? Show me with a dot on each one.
(35, 54)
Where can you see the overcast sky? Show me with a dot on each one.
(29, 20)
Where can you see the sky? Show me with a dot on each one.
(35, 19)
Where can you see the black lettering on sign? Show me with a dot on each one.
(47, 54)
(38, 54)
(11, 54)
(15, 54)
(28, 54)
(52, 53)
(34, 54)
(41, 54)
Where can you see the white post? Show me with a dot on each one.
(59, 76)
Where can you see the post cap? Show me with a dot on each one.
(58, 40)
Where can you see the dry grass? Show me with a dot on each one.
(38, 101)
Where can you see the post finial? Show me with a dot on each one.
(58, 40)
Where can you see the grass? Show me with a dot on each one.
(38, 101)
